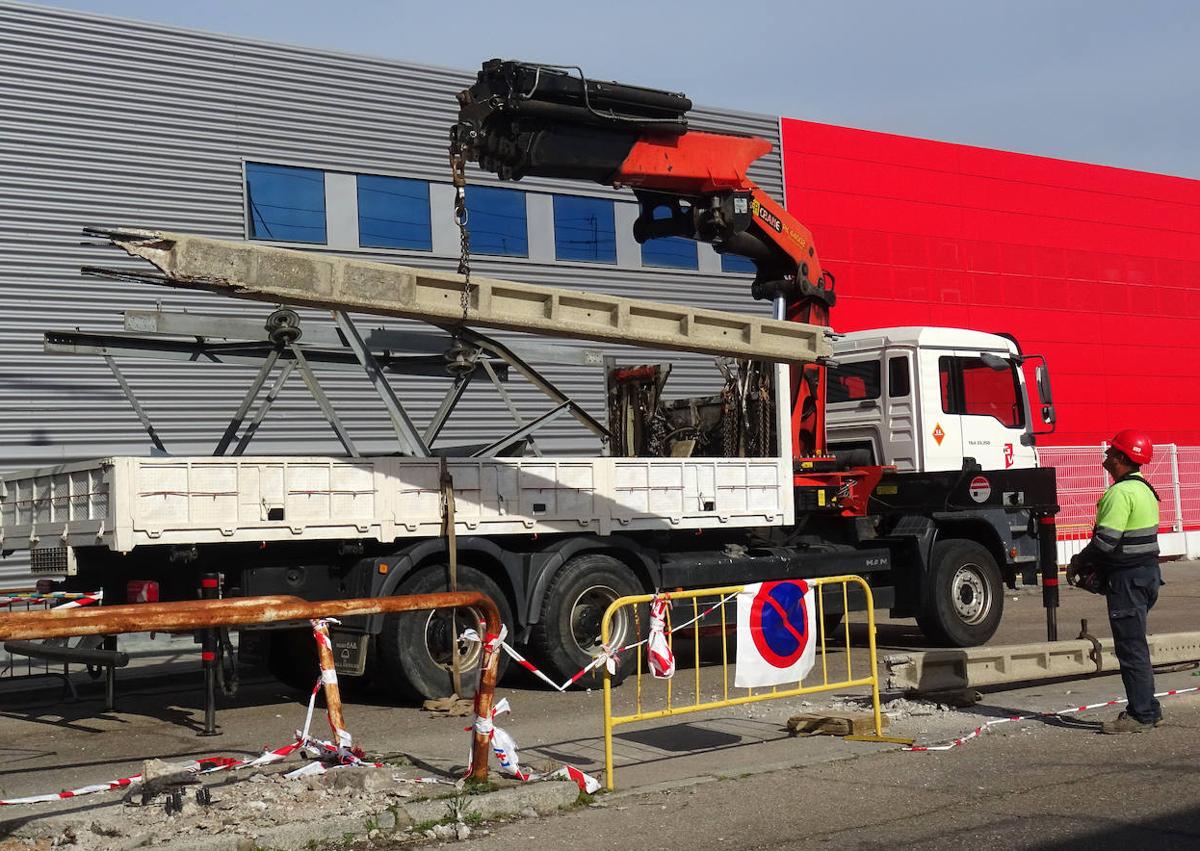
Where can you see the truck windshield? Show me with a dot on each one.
(972, 388)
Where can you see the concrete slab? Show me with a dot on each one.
(312, 279)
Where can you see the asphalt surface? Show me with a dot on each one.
(730, 778)
(1042, 787)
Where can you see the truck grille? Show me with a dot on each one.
(59, 561)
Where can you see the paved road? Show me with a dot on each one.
(46, 745)
(1040, 787)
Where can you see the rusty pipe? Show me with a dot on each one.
(230, 611)
(234, 611)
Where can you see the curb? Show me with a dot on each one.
(545, 797)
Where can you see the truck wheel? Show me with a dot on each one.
(567, 636)
(415, 648)
(963, 596)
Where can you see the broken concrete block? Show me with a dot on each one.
(358, 779)
(833, 724)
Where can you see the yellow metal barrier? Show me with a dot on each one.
(667, 702)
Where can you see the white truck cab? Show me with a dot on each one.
(925, 398)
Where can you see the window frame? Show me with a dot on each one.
(956, 391)
(484, 191)
(247, 202)
(906, 361)
(611, 206)
(875, 390)
(426, 245)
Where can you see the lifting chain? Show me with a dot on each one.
(458, 175)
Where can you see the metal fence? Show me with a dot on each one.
(838, 663)
(14, 665)
(1174, 472)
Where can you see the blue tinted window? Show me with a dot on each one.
(393, 212)
(496, 218)
(737, 263)
(285, 203)
(584, 229)
(672, 252)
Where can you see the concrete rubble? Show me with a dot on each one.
(267, 810)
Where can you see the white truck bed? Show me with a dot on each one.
(125, 502)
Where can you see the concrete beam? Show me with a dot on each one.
(973, 667)
(266, 273)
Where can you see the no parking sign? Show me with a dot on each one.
(777, 633)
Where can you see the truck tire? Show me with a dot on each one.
(567, 635)
(414, 647)
(963, 595)
(292, 659)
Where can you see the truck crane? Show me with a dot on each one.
(907, 457)
(524, 120)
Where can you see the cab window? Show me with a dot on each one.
(899, 383)
(972, 388)
(853, 382)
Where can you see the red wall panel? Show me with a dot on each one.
(1098, 268)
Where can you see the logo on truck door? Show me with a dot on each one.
(938, 434)
(1008, 455)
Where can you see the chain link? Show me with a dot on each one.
(458, 175)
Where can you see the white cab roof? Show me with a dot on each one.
(923, 336)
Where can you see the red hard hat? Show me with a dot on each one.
(1135, 445)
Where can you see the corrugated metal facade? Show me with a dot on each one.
(106, 121)
(1066, 256)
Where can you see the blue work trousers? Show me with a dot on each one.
(1131, 593)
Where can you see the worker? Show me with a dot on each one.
(1123, 552)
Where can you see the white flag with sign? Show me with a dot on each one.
(776, 633)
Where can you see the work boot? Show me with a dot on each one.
(1125, 723)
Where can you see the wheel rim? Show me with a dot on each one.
(587, 613)
(440, 629)
(970, 593)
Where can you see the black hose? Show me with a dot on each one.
(227, 663)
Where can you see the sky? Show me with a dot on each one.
(1092, 80)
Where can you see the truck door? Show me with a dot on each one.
(899, 413)
(939, 429)
(982, 412)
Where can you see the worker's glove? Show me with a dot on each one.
(1084, 574)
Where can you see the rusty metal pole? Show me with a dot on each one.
(329, 681)
(481, 744)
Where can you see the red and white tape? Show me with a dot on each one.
(340, 755)
(608, 656)
(585, 782)
(208, 765)
(70, 599)
(983, 728)
(659, 655)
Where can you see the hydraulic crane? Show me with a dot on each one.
(522, 119)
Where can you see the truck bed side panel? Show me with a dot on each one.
(123, 503)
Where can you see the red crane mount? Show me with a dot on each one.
(521, 119)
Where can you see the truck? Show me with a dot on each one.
(905, 455)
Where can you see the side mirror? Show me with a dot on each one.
(1043, 384)
(1045, 394)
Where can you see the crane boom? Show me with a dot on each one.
(526, 120)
